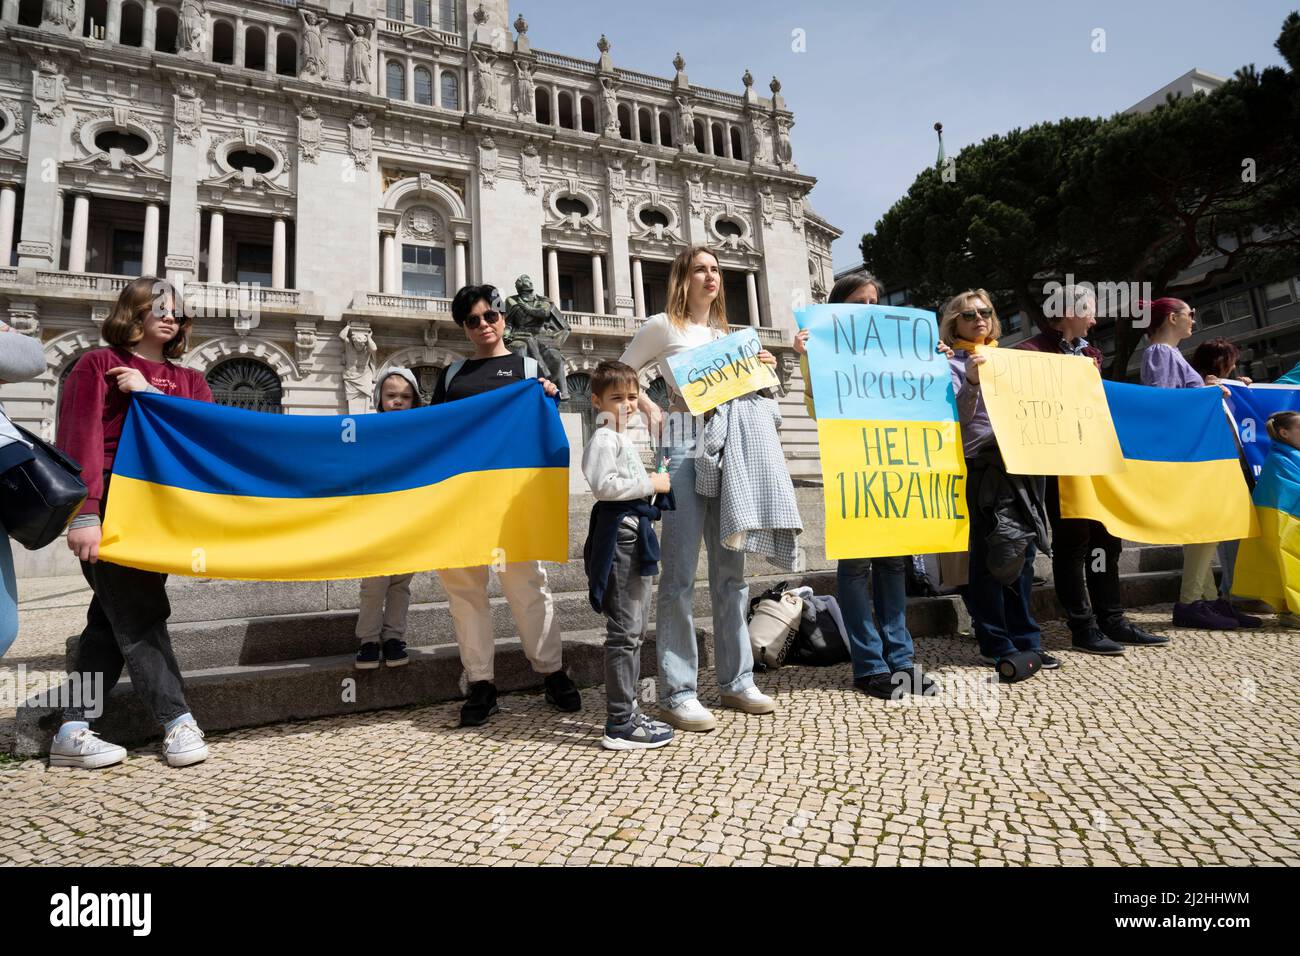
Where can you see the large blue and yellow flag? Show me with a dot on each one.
(1268, 567)
(215, 492)
(1182, 482)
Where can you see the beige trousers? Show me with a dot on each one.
(524, 586)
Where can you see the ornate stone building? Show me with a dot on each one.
(321, 177)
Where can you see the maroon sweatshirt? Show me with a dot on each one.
(92, 410)
(1050, 341)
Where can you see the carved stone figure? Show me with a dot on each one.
(360, 137)
(759, 137)
(313, 45)
(530, 168)
(525, 90)
(536, 327)
(487, 83)
(359, 350)
(609, 97)
(359, 55)
(60, 13)
(187, 110)
(49, 93)
(686, 124)
(193, 27)
(309, 134)
(784, 151)
(488, 161)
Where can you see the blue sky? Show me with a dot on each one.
(877, 74)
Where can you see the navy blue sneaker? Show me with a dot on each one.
(368, 656)
(395, 653)
(641, 733)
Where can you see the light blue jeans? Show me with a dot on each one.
(696, 519)
(8, 595)
(880, 585)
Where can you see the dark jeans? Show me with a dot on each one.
(1088, 592)
(1000, 615)
(626, 611)
(879, 584)
(127, 625)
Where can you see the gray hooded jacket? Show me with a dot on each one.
(407, 374)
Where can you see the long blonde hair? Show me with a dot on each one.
(948, 321)
(679, 280)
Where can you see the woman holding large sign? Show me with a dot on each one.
(1007, 516)
(696, 315)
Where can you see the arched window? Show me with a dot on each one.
(223, 42)
(396, 81)
(645, 132)
(94, 19)
(719, 146)
(131, 32)
(450, 91)
(423, 86)
(588, 114)
(665, 130)
(699, 136)
(737, 148)
(566, 110)
(246, 383)
(255, 48)
(29, 13)
(542, 103)
(624, 121)
(286, 54)
(164, 38)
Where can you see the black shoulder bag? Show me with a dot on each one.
(40, 497)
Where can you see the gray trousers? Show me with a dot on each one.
(627, 611)
(384, 603)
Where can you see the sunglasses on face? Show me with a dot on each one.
(969, 314)
(487, 318)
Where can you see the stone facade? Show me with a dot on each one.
(303, 168)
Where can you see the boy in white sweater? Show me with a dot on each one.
(621, 553)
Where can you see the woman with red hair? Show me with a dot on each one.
(1163, 366)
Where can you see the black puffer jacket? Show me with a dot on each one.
(1012, 508)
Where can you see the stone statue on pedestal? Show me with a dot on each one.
(359, 350)
(536, 327)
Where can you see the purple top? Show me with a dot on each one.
(1164, 367)
(976, 431)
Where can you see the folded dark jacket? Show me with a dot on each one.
(602, 539)
(1013, 508)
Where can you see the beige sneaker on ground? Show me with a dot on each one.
(751, 700)
(688, 715)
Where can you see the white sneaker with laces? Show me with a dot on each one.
(689, 715)
(83, 748)
(751, 700)
(184, 745)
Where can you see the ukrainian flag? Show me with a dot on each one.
(215, 492)
(1183, 482)
(1268, 567)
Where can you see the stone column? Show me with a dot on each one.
(149, 261)
(708, 135)
(598, 284)
(113, 28)
(751, 293)
(437, 84)
(388, 265)
(553, 276)
(216, 244)
(8, 202)
(239, 41)
(80, 231)
(410, 79)
(726, 141)
(277, 253)
(461, 277)
(638, 289)
(150, 38)
(9, 11)
(272, 35)
(555, 106)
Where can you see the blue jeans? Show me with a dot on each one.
(879, 583)
(1227, 558)
(8, 595)
(696, 519)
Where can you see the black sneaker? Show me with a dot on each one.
(1093, 641)
(915, 682)
(395, 653)
(481, 705)
(368, 656)
(562, 692)
(882, 686)
(1050, 663)
(1126, 632)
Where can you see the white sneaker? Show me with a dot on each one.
(689, 715)
(751, 700)
(84, 749)
(184, 745)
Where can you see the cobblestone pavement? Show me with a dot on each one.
(1180, 755)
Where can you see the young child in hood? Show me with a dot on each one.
(381, 622)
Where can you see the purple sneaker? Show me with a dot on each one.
(1224, 606)
(1203, 616)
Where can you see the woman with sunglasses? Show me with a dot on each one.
(1000, 612)
(126, 624)
(1163, 366)
(478, 310)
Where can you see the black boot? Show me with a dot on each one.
(562, 692)
(481, 705)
